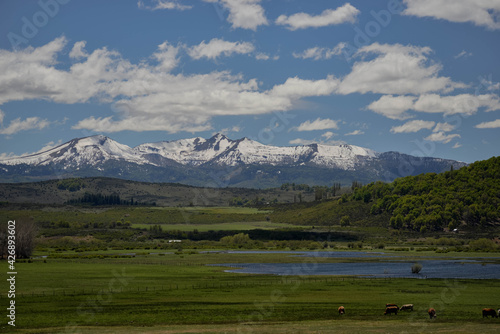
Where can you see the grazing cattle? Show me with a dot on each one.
(406, 307)
(489, 311)
(432, 313)
(391, 309)
(341, 310)
(389, 305)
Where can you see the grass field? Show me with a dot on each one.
(178, 293)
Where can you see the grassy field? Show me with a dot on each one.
(178, 293)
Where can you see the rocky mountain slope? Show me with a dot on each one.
(218, 162)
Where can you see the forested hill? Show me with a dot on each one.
(465, 198)
(469, 196)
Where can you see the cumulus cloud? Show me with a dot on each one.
(441, 137)
(167, 56)
(413, 126)
(217, 47)
(317, 124)
(318, 53)
(483, 13)
(396, 107)
(244, 14)
(355, 133)
(396, 69)
(162, 4)
(145, 96)
(18, 125)
(443, 127)
(300, 141)
(489, 125)
(296, 87)
(78, 50)
(466, 104)
(393, 107)
(346, 13)
(327, 135)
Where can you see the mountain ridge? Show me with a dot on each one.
(181, 160)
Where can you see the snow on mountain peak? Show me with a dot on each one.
(217, 150)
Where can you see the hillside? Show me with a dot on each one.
(163, 194)
(466, 198)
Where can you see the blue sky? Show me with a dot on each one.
(420, 77)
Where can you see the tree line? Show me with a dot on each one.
(431, 202)
(100, 199)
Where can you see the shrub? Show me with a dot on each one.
(416, 268)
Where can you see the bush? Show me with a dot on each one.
(416, 268)
(483, 244)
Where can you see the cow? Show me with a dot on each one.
(341, 310)
(489, 311)
(406, 307)
(388, 305)
(432, 313)
(391, 309)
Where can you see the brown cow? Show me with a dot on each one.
(432, 313)
(387, 305)
(489, 311)
(406, 307)
(341, 310)
(391, 309)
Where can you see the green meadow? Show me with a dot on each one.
(113, 270)
(178, 293)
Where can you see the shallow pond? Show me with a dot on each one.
(470, 268)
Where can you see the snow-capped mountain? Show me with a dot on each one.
(195, 160)
(221, 151)
(81, 151)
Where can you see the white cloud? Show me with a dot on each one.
(346, 13)
(327, 135)
(466, 104)
(162, 4)
(396, 107)
(457, 145)
(317, 124)
(298, 88)
(489, 125)
(244, 14)
(300, 141)
(441, 137)
(225, 131)
(443, 127)
(463, 54)
(413, 126)
(167, 56)
(355, 133)
(397, 69)
(480, 12)
(393, 107)
(145, 96)
(217, 47)
(318, 53)
(30, 123)
(78, 50)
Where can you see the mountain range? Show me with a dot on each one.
(217, 162)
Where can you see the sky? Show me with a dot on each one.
(421, 77)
